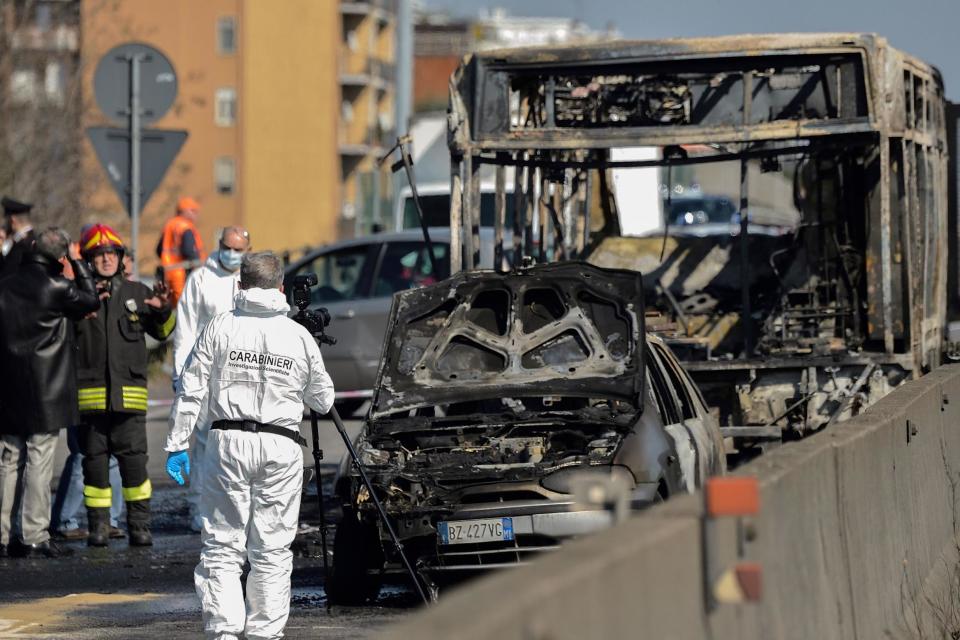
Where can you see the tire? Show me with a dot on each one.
(357, 561)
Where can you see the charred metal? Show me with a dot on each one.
(794, 310)
(499, 397)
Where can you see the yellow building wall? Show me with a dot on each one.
(289, 105)
(185, 31)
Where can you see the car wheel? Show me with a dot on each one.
(357, 561)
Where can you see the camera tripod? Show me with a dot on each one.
(316, 322)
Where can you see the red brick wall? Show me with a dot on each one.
(431, 77)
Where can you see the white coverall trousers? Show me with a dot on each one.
(197, 455)
(250, 508)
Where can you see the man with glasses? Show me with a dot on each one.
(112, 386)
(209, 291)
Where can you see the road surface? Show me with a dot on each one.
(125, 593)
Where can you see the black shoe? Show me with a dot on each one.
(138, 523)
(48, 549)
(140, 537)
(3, 551)
(98, 523)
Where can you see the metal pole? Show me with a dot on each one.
(134, 188)
(501, 217)
(456, 213)
(317, 457)
(746, 312)
(745, 259)
(397, 545)
(411, 179)
(403, 95)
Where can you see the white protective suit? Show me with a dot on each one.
(210, 290)
(253, 363)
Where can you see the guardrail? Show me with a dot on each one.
(856, 537)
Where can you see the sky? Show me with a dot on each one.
(928, 29)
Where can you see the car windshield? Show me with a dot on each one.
(406, 265)
(338, 275)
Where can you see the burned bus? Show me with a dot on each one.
(795, 241)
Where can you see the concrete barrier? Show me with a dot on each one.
(858, 537)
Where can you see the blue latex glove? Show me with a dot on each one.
(178, 466)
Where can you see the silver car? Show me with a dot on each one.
(500, 396)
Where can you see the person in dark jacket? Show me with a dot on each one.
(38, 394)
(112, 386)
(19, 236)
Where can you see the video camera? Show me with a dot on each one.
(314, 321)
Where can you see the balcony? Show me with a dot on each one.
(367, 72)
(62, 38)
(382, 10)
(370, 141)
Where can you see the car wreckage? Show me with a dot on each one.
(799, 271)
(501, 399)
(800, 264)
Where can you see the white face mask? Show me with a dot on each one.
(231, 259)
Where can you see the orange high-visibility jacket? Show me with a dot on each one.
(170, 253)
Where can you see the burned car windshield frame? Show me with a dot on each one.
(560, 330)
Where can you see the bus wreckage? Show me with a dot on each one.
(798, 260)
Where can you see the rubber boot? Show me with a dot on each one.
(138, 523)
(98, 524)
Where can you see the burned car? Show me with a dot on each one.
(499, 394)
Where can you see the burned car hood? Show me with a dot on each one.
(564, 329)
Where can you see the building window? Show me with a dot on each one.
(224, 175)
(225, 107)
(43, 17)
(227, 35)
(23, 86)
(53, 82)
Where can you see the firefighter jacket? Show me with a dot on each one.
(112, 351)
(38, 392)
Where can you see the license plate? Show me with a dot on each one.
(473, 531)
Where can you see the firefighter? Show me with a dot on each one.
(180, 248)
(112, 385)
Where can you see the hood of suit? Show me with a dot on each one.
(262, 302)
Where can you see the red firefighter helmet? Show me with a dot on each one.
(97, 237)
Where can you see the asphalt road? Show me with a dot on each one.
(124, 593)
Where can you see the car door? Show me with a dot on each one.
(343, 288)
(698, 427)
(402, 265)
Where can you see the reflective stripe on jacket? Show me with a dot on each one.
(112, 351)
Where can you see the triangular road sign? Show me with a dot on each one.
(158, 148)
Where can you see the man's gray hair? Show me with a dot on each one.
(53, 242)
(263, 270)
